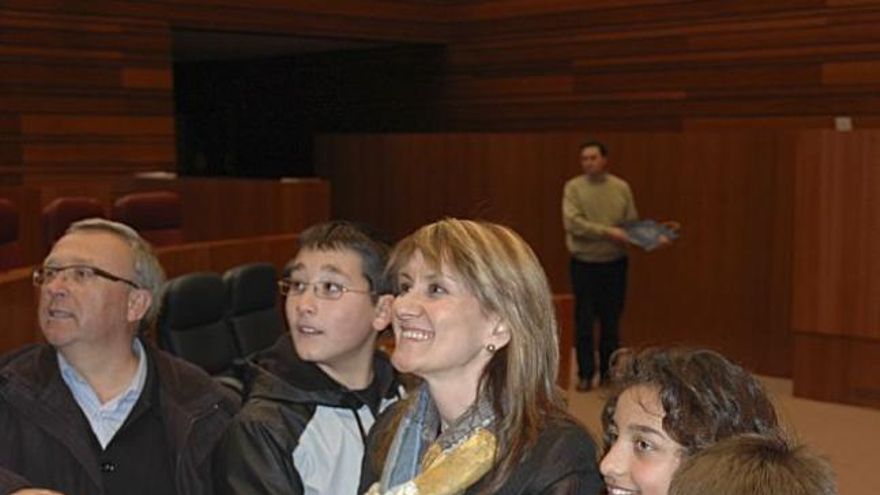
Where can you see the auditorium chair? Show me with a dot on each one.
(253, 314)
(156, 215)
(63, 211)
(11, 255)
(192, 324)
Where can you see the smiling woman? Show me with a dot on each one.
(473, 318)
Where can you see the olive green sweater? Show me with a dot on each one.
(590, 206)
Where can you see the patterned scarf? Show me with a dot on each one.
(421, 463)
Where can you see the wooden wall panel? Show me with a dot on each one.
(87, 86)
(219, 256)
(609, 10)
(18, 309)
(565, 316)
(835, 273)
(837, 217)
(90, 94)
(509, 65)
(837, 369)
(212, 209)
(373, 19)
(726, 282)
(228, 208)
(663, 65)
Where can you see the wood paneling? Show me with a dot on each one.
(861, 72)
(509, 65)
(212, 209)
(219, 256)
(837, 369)
(88, 92)
(565, 316)
(227, 208)
(725, 284)
(372, 19)
(661, 65)
(835, 271)
(614, 65)
(89, 85)
(97, 125)
(18, 309)
(837, 217)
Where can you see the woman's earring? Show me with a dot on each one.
(491, 348)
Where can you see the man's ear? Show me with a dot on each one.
(139, 302)
(382, 317)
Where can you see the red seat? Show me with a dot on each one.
(61, 212)
(155, 215)
(11, 255)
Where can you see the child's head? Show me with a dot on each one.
(757, 465)
(337, 296)
(668, 404)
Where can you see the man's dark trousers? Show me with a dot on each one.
(599, 292)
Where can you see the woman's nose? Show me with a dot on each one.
(405, 306)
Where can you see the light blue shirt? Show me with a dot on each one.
(105, 419)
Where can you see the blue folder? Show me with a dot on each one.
(646, 233)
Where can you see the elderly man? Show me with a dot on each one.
(98, 409)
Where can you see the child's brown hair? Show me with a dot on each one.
(754, 465)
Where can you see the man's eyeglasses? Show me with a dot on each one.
(78, 274)
(322, 290)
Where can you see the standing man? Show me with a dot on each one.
(98, 410)
(594, 205)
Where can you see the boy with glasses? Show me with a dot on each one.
(310, 405)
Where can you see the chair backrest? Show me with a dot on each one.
(11, 254)
(192, 322)
(156, 215)
(253, 306)
(63, 211)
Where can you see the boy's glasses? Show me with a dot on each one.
(78, 274)
(322, 290)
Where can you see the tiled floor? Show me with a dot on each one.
(848, 436)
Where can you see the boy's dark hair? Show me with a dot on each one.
(603, 150)
(338, 235)
(757, 465)
(705, 397)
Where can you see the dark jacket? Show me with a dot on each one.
(299, 430)
(562, 462)
(46, 441)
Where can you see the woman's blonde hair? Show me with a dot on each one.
(500, 269)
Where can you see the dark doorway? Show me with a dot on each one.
(250, 105)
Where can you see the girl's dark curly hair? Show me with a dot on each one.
(705, 397)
